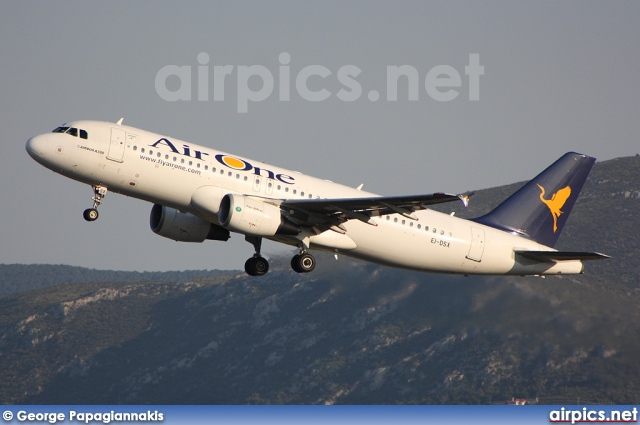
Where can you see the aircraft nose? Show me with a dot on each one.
(36, 146)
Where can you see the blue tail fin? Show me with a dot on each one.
(541, 207)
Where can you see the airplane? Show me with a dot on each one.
(199, 194)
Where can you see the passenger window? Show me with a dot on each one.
(159, 154)
(135, 148)
(83, 134)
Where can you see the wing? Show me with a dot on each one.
(331, 213)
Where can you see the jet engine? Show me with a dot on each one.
(254, 217)
(184, 227)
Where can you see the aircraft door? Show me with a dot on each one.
(477, 244)
(116, 146)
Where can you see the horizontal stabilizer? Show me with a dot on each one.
(562, 255)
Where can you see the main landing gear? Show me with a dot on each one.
(256, 265)
(259, 266)
(303, 262)
(99, 192)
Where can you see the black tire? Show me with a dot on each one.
(295, 264)
(90, 214)
(303, 263)
(256, 266)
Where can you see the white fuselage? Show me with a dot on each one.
(168, 171)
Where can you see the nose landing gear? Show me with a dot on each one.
(99, 192)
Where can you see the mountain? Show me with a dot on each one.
(350, 332)
(25, 277)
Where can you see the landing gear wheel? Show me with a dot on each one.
(99, 192)
(256, 266)
(90, 214)
(303, 263)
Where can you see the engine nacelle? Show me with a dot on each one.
(184, 227)
(250, 216)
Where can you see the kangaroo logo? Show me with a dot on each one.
(556, 202)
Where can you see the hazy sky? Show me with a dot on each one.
(558, 77)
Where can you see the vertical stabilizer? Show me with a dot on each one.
(541, 207)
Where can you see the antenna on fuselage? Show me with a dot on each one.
(120, 121)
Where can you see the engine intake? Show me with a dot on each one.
(250, 216)
(184, 227)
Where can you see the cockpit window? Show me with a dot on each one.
(72, 131)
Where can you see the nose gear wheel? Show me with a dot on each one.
(99, 192)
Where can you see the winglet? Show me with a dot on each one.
(465, 199)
